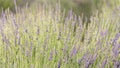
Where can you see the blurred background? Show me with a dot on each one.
(86, 8)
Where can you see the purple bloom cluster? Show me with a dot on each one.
(116, 46)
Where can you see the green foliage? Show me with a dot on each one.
(5, 4)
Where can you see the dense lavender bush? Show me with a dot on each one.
(47, 38)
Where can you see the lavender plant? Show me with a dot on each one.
(43, 38)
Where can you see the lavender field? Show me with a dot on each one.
(48, 37)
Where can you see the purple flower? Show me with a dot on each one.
(15, 23)
(87, 64)
(115, 50)
(89, 59)
(116, 64)
(93, 58)
(103, 33)
(104, 63)
(116, 38)
(3, 18)
(73, 52)
(117, 35)
(59, 63)
(116, 46)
